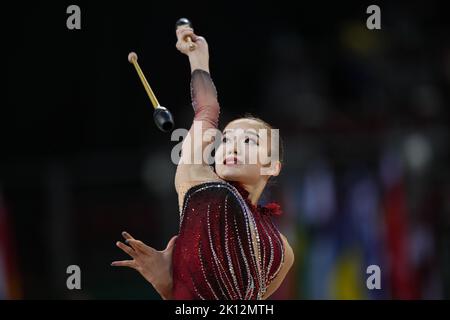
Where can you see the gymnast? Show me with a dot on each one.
(227, 247)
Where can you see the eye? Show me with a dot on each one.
(250, 141)
(224, 139)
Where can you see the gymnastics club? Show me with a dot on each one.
(162, 117)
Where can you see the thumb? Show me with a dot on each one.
(199, 39)
(171, 243)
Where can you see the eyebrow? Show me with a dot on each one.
(245, 131)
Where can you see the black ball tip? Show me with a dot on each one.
(183, 22)
(163, 119)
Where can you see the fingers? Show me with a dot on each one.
(124, 263)
(186, 33)
(126, 235)
(139, 246)
(126, 249)
(181, 28)
(183, 32)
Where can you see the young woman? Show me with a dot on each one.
(227, 246)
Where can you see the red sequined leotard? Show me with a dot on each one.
(227, 248)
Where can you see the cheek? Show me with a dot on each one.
(252, 155)
(219, 156)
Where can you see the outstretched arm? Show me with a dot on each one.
(192, 168)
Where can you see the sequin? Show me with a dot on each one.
(227, 248)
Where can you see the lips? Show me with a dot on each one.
(231, 160)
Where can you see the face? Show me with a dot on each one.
(244, 153)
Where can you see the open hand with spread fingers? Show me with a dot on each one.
(155, 266)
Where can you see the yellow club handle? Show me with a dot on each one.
(132, 58)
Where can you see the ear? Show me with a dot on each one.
(275, 169)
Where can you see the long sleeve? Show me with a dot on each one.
(204, 99)
(206, 110)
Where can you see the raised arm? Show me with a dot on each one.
(192, 168)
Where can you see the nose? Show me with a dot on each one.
(231, 148)
(232, 151)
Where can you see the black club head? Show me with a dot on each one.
(183, 22)
(163, 119)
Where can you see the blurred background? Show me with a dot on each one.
(363, 114)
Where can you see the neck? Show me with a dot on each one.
(255, 190)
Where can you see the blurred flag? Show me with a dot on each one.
(363, 207)
(321, 259)
(402, 274)
(316, 211)
(347, 282)
(9, 279)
